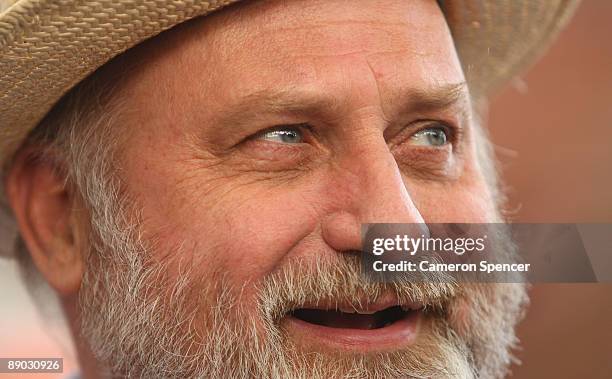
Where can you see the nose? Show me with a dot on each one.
(368, 189)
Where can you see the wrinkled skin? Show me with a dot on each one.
(203, 183)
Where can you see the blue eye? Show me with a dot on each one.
(289, 135)
(430, 137)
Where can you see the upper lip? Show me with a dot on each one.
(362, 306)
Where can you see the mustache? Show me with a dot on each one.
(337, 281)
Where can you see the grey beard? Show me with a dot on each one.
(141, 322)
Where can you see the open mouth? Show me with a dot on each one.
(353, 318)
(382, 325)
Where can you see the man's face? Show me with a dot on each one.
(255, 143)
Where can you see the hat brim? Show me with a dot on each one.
(48, 46)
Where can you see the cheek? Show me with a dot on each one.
(258, 233)
(235, 226)
(467, 200)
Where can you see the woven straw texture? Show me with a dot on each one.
(48, 46)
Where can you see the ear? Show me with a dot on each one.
(47, 221)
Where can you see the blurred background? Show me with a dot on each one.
(553, 134)
(553, 130)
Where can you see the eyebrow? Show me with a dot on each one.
(291, 100)
(297, 101)
(439, 97)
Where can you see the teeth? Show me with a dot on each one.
(364, 312)
(347, 310)
(353, 310)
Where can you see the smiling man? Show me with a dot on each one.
(196, 202)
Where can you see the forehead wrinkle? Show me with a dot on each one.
(333, 28)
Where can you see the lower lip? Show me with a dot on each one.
(398, 335)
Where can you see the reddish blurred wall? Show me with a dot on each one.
(554, 137)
